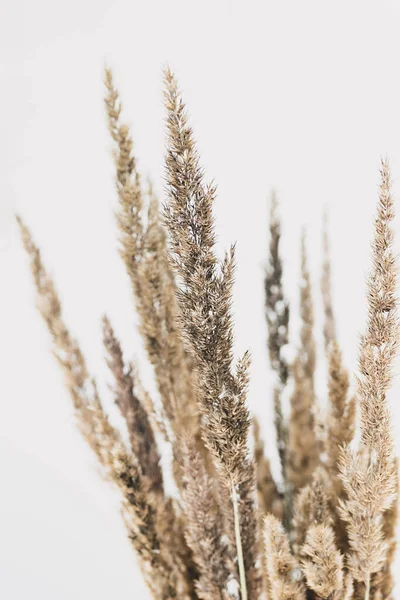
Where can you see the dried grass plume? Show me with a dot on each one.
(225, 528)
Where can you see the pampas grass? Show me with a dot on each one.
(326, 529)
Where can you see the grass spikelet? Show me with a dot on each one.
(369, 477)
(140, 430)
(303, 446)
(277, 315)
(341, 415)
(121, 467)
(205, 294)
(204, 532)
(282, 568)
(323, 563)
(311, 507)
(143, 250)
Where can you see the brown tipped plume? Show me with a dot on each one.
(139, 426)
(163, 575)
(277, 314)
(369, 477)
(143, 249)
(221, 528)
(205, 296)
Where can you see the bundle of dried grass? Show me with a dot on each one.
(326, 531)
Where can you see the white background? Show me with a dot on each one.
(300, 96)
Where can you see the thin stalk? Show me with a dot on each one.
(367, 587)
(288, 507)
(239, 549)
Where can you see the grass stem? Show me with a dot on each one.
(242, 572)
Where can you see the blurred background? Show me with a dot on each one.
(302, 97)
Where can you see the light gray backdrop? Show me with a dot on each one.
(300, 96)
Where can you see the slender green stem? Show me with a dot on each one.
(239, 549)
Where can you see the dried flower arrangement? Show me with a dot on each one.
(327, 530)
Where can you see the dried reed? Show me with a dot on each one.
(326, 531)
